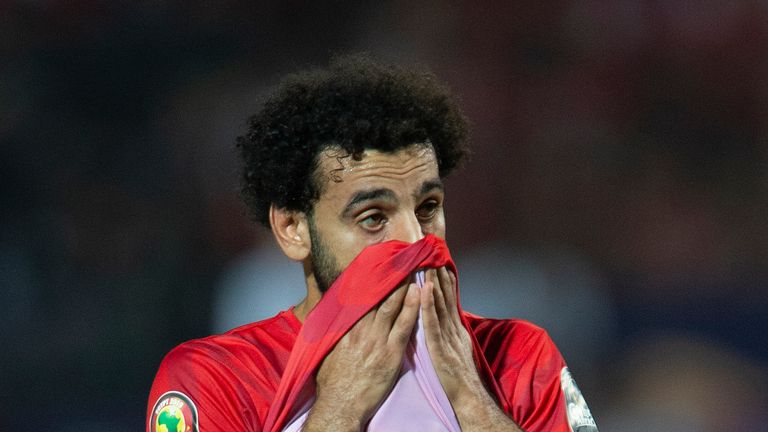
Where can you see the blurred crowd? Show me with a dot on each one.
(617, 193)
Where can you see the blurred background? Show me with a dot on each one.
(617, 194)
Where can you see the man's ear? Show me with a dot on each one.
(291, 230)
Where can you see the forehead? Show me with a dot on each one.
(339, 171)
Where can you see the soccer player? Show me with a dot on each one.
(338, 162)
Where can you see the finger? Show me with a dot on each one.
(403, 326)
(389, 309)
(448, 285)
(429, 313)
(440, 306)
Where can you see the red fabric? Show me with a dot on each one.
(383, 267)
(244, 380)
(232, 378)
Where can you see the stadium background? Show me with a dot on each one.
(617, 194)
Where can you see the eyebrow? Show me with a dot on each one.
(368, 195)
(429, 186)
(388, 195)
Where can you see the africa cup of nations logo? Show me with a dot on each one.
(174, 412)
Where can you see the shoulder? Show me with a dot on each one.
(480, 323)
(243, 364)
(268, 340)
(516, 337)
(527, 368)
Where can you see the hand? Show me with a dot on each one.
(450, 349)
(362, 367)
(448, 341)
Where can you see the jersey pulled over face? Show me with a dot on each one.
(383, 196)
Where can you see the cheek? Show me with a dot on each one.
(349, 243)
(437, 227)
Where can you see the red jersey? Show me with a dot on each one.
(230, 382)
(231, 378)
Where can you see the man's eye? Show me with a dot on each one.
(373, 222)
(427, 210)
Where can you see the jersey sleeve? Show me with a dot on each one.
(194, 386)
(538, 387)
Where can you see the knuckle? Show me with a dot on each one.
(401, 337)
(429, 301)
(386, 309)
(412, 301)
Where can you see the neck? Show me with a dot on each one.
(313, 296)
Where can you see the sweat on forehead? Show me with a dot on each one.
(334, 162)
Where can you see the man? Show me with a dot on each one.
(340, 159)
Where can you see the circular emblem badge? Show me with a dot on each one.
(173, 412)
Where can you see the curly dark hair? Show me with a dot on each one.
(354, 104)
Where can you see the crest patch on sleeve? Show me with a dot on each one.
(174, 412)
(579, 417)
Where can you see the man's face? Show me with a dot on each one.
(383, 196)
